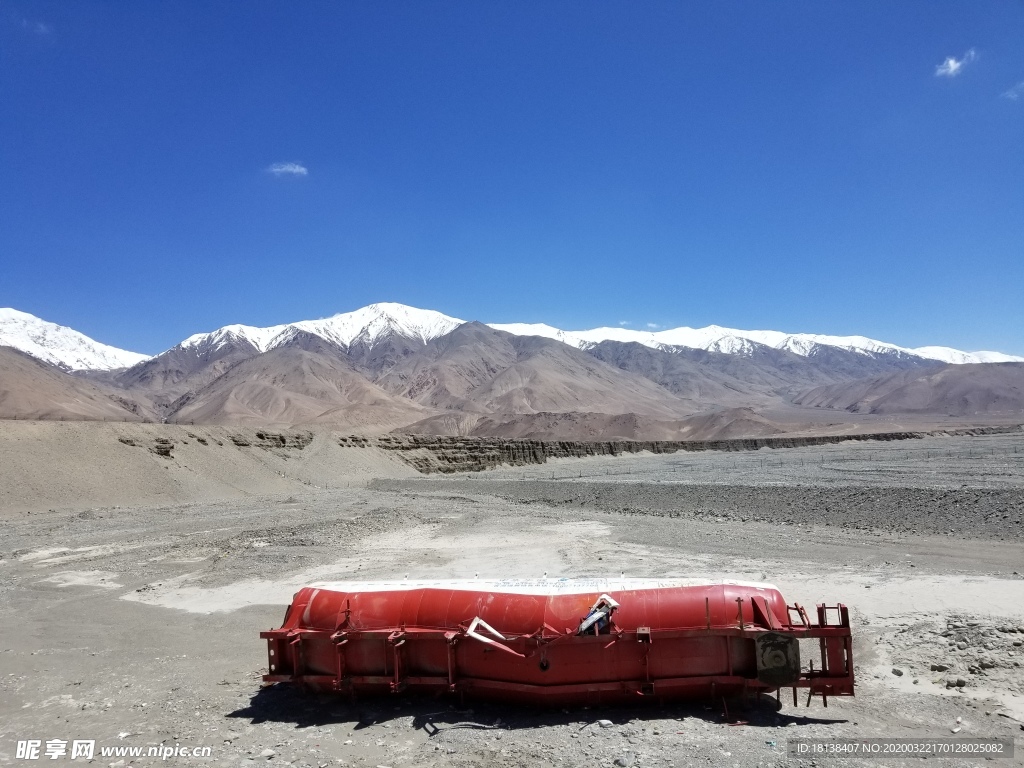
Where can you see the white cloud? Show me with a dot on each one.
(1016, 92)
(952, 66)
(38, 27)
(625, 322)
(288, 169)
(653, 326)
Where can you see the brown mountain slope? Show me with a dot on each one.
(31, 389)
(728, 423)
(953, 390)
(183, 369)
(291, 385)
(757, 377)
(714, 425)
(476, 369)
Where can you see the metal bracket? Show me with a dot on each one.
(478, 622)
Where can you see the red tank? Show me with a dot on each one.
(560, 641)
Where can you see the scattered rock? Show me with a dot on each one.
(162, 446)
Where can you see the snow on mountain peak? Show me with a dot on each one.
(728, 344)
(376, 321)
(948, 355)
(72, 350)
(60, 346)
(540, 329)
(367, 325)
(715, 338)
(261, 338)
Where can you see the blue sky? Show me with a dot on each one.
(820, 167)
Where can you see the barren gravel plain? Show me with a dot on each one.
(139, 625)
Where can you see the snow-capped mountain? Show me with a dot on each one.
(366, 326)
(374, 322)
(72, 350)
(734, 341)
(61, 346)
(956, 357)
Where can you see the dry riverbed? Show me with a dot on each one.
(138, 626)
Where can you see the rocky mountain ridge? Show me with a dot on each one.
(393, 368)
(370, 324)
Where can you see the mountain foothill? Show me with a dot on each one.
(391, 368)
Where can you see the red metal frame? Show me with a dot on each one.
(666, 642)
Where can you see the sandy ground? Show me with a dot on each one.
(138, 625)
(71, 466)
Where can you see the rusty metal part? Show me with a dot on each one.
(559, 641)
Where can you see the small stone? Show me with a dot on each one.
(897, 671)
(961, 646)
(960, 682)
(619, 761)
(268, 752)
(955, 730)
(939, 667)
(605, 723)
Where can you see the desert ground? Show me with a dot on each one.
(132, 609)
